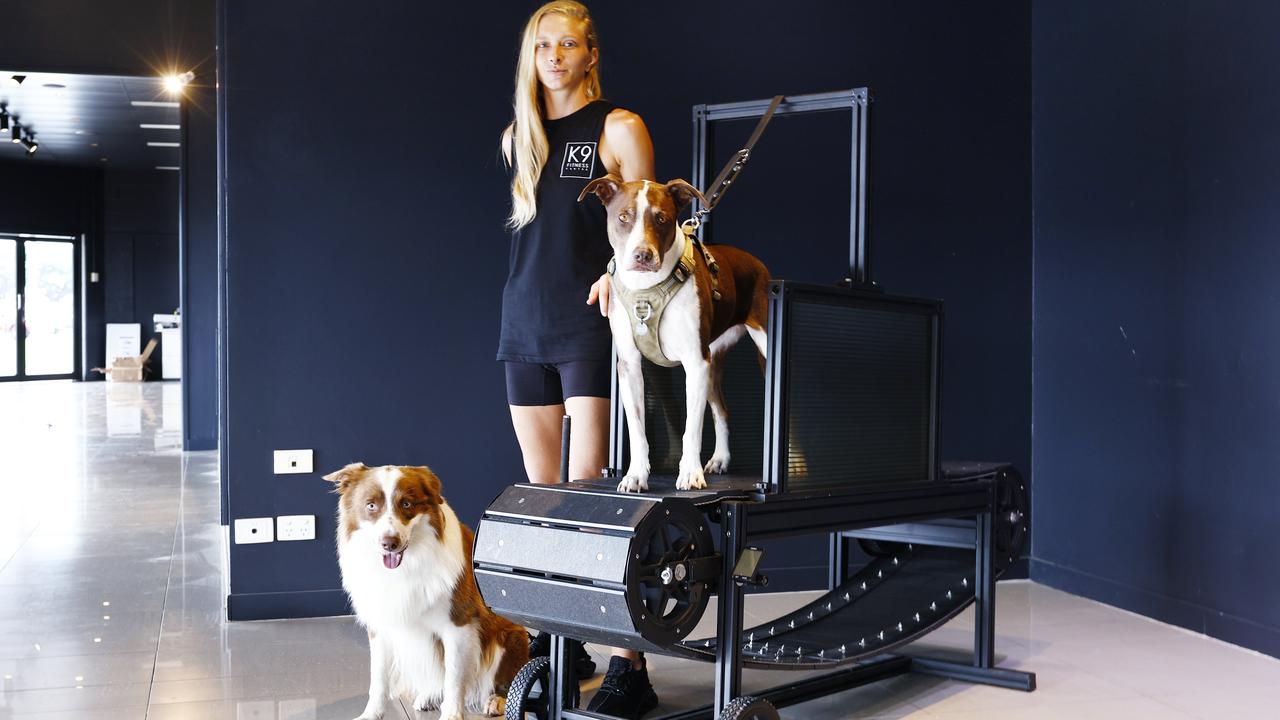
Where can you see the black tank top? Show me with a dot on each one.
(556, 258)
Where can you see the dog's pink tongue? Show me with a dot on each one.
(392, 560)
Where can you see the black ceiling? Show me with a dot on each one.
(91, 120)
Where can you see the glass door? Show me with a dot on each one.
(38, 338)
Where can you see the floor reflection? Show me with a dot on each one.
(112, 587)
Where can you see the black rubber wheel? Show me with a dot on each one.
(749, 708)
(521, 696)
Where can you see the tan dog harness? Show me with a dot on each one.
(645, 307)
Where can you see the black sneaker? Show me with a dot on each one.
(583, 666)
(625, 693)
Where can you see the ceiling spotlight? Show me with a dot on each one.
(175, 83)
(32, 146)
(17, 79)
(4, 122)
(15, 133)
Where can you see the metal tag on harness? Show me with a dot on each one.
(642, 312)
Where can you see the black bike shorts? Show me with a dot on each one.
(531, 383)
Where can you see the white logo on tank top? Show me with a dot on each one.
(579, 160)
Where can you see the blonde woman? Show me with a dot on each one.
(555, 348)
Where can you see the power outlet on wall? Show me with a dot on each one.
(295, 527)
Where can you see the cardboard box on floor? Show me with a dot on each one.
(129, 369)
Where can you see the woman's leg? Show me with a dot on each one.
(538, 431)
(535, 397)
(589, 436)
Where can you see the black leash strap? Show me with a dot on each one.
(730, 172)
(721, 185)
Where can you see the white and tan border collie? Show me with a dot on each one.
(406, 564)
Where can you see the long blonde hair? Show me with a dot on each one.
(531, 148)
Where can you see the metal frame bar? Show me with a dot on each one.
(925, 533)
(562, 695)
(733, 528)
(785, 516)
(997, 677)
(984, 587)
(857, 100)
(837, 560)
(617, 415)
(859, 252)
(774, 464)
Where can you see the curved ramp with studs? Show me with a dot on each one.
(895, 599)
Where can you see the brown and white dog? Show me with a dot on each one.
(406, 564)
(695, 330)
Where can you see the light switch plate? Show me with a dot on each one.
(253, 530)
(289, 462)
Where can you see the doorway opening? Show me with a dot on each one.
(39, 307)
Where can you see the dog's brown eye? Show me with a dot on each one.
(624, 217)
(371, 505)
(405, 504)
(662, 218)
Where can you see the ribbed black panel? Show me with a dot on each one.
(859, 390)
(743, 389)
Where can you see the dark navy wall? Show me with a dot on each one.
(140, 226)
(364, 205)
(147, 38)
(1157, 167)
(200, 267)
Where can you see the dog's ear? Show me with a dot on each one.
(430, 483)
(683, 193)
(602, 187)
(343, 478)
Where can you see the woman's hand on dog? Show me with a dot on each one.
(600, 291)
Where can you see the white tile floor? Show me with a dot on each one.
(111, 573)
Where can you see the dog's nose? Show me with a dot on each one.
(642, 256)
(390, 542)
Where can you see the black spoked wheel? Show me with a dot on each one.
(749, 708)
(665, 596)
(665, 599)
(528, 691)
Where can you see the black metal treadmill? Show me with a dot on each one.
(848, 409)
